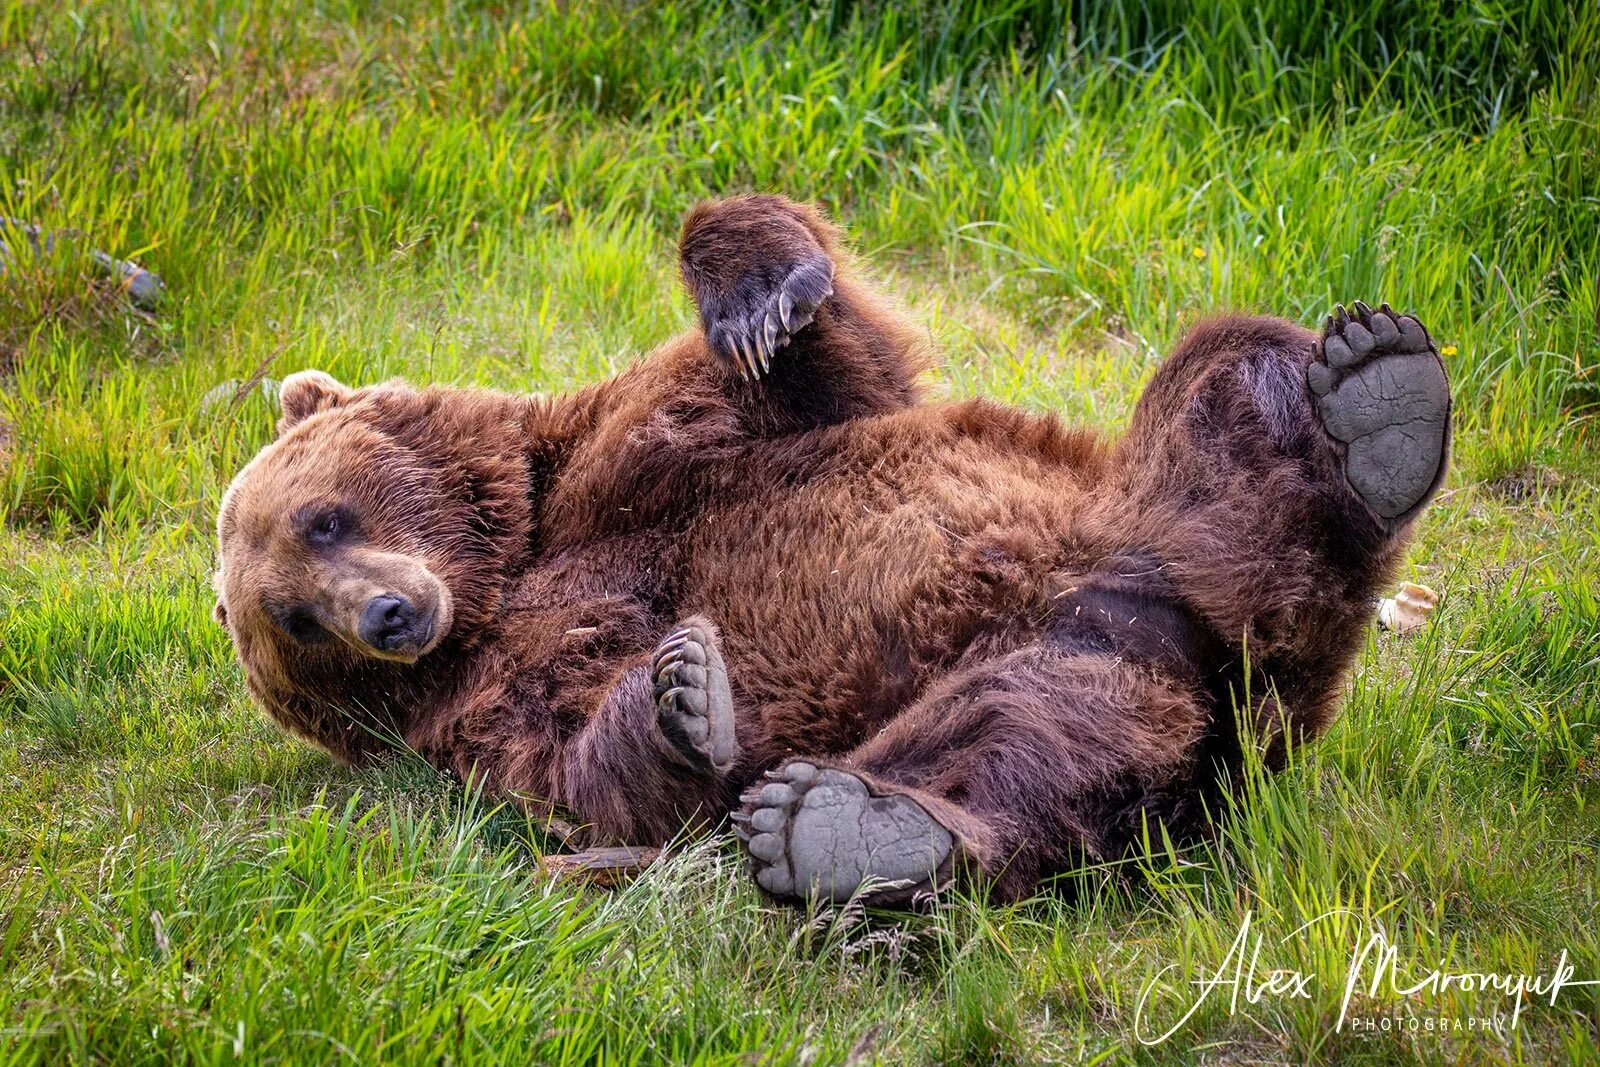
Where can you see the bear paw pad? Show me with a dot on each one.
(1381, 391)
(694, 706)
(820, 834)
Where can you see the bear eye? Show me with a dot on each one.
(301, 627)
(326, 527)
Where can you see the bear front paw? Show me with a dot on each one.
(694, 706)
(751, 324)
(758, 272)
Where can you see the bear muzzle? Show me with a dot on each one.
(385, 605)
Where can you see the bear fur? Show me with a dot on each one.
(1031, 638)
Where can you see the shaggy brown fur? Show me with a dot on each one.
(1035, 632)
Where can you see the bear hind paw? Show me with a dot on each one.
(820, 834)
(694, 705)
(1380, 390)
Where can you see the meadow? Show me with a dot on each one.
(488, 194)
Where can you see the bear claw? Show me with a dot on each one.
(821, 834)
(749, 326)
(1380, 390)
(694, 705)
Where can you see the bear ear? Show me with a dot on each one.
(220, 613)
(304, 393)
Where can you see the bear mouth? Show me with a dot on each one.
(408, 648)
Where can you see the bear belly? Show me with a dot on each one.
(840, 599)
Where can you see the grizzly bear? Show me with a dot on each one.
(756, 577)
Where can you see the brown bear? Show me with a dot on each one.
(903, 643)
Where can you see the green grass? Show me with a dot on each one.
(487, 194)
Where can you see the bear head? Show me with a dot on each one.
(366, 548)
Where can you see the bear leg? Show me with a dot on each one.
(1273, 475)
(758, 274)
(1008, 770)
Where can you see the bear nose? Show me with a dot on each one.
(387, 621)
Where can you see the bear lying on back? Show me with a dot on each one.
(908, 642)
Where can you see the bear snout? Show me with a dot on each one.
(391, 624)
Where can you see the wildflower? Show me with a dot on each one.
(1199, 253)
(1449, 350)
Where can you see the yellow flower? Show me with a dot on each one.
(1199, 253)
(1449, 350)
